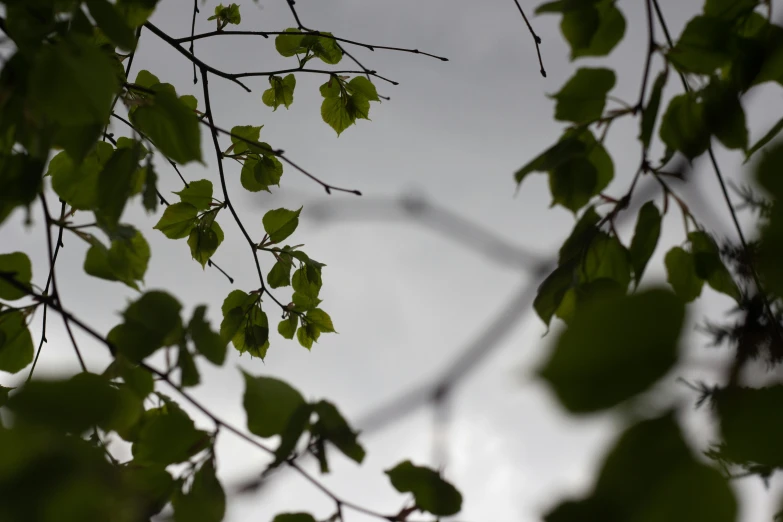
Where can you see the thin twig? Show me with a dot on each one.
(536, 38)
(192, 40)
(267, 34)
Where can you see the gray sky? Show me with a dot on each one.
(405, 299)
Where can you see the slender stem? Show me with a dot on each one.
(192, 40)
(226, 198)
(536, 38)
(267, 34)
(169, 40)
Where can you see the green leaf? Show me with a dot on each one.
(430, 491)
(168, 436)
(724, 115)
(76, 184)
(151, 322)
(552, 291)
(567, 148)
(294, 517)
(320, 320)
(115, 184)
(245, 323)
(73, 82)
(171, 125)
(703, 46)
(295, 42)
(710, 267)
(136, 12)
(579, 27)
(684, 128)
(18, 264)
(573, 183)
(261, 173)
(4, 395)
(126, 261)
(645, 238)
(241, 134)
(729, 9)
(206, 500)
(333, 427)
(280, 275)
(150, 191)
(146, 79)
(112, 23)
(177, 220)
(625, 343)
(769, 136)
(609, 32)
(16, 344)
(269, 404)
(606, 258)
(651, 475)
(208, 343)
(198, 194)
(575, 246)
(73, 405)
(227, 15)
(339, 113)
(750, 425)
(583, 97)
(650, 111)
(204, 241)
(138, 380)
(363, 87)
(281, 91)
(306, 282)
(307, 334)
(281, 223)
(681, 274)
(287, 327)
(189, 375)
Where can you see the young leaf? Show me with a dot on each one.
(363, 87)
(320, 45)
(281, 223)
(226, 15)
(740, 408)
(320, 320)
(710, 267)
(583, 97)
(126, 261)
(208, 343)
(204, 240)
(198, 194)
(269, 403)
(333, 427)
(626, 343)
(281, 91)
(115, 184)
(683, 127)
(724, 115)
(76, 184)
(18, 264)
(73, 82)
(552, 291)
(650, 111)
(177, 220)
(151, 322)
(645, 238)
(681, 274)
(189, 375)
(573, 183)
(703, 46)
(206, 500)
(260, 173)
(16, 344)
(171, 125)
(280, 275)
(287, 327)
(167, 436)
(111, 22)
(241, 134)
(430, 491)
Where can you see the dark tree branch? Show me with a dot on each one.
(173, 43)
(267, 34)
(192, 40)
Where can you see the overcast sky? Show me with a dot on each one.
(406, 299)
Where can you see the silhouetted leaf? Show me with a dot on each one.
(624, 343)
(430, 491)
(269, 404)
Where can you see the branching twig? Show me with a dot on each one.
(536, 38)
